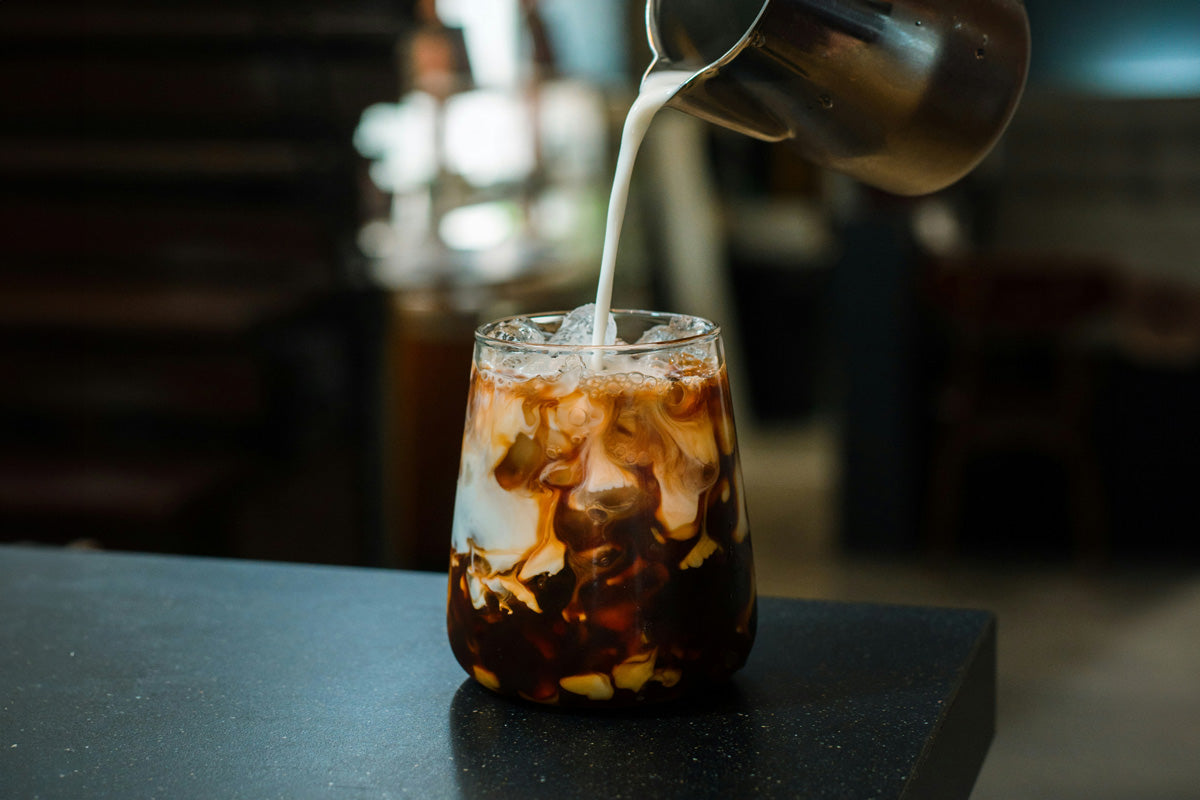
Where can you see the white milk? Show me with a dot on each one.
(657, 89)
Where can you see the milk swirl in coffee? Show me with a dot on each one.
(600, 549)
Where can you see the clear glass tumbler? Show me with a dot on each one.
(601, 551)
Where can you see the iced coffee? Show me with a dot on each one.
(601, 552)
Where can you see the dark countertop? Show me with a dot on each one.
(134, 676)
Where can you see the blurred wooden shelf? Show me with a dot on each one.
(174, 161)
(108, 308)
(265, 238)
(185, 342)
(136, 491)
(222, 19)
(186, 94)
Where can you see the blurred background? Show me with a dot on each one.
(244, 245)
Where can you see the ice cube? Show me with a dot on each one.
(519, 329)
(565, 370)
(678, 328)
(526, 365)
(659, 333)
(577, 327)
(676, 359)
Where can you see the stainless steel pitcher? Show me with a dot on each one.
(907, 96)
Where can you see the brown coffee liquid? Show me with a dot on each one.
(638, 583)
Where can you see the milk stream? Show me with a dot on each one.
(656, 90)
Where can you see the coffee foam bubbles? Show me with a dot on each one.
(523, 348)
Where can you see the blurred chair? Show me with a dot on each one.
(1017, 378)
(1148, 415)
(1157, 321)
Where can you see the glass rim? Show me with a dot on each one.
(660, 317)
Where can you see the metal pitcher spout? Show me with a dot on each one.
(907, 96)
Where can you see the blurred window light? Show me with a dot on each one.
(479, 227)
(556, 214)
(590, 41)
(573, 120)
(401, 141)
(489, 137)
(937, 227)
(412, 215)
(1110, 47)
(492, 30)
(571, 218)
(1155, 75)
(377, 239)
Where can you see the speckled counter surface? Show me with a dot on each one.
(131, 676)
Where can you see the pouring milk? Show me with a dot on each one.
(656, 90)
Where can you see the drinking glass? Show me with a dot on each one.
(601, 551)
